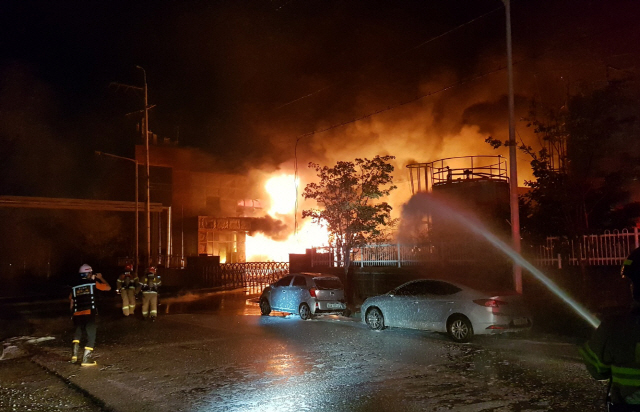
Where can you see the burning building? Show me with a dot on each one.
(211, 211)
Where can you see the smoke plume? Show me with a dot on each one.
(270, 227)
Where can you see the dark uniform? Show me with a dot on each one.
(613, 352)
(83, 308)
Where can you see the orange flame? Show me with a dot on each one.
(259, 248)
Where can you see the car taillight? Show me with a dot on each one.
(490, 303)
(312, 292)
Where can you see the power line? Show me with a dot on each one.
(395, 57)
(406, 102)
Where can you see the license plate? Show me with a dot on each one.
(334, 305)
(520, 321)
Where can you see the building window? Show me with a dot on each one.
(223, 244)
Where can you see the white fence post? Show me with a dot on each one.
(635, 236)
(398, 247)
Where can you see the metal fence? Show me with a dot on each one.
(253, 276)
(374, 255)
(260, 274)
(609, 248)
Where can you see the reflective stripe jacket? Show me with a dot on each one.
(128, 281)
(613, 352)
(83, 296)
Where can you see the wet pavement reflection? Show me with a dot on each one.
(236, 302)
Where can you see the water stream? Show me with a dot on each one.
(424, 204)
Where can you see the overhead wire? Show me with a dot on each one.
(418, 98)
(296, 183)
(395, 57)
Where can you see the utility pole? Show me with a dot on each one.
(513, 166)
(146, 147)
(146, 140)
(137, 235)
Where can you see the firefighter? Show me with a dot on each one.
(613, 352)
(149, 286)
(128, 287)
(83, 308)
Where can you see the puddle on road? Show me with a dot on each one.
(208, 302)
(237, 301)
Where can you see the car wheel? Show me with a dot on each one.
(265, 308)
(304, 311)
(374, 319)
(459, 328)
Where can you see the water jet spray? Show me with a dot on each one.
(423, 203)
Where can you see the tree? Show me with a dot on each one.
(586, 167)
(348, 194)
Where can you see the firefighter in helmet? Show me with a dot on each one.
(128, 286)
(613, 352)
(83, 308)
(149, 286)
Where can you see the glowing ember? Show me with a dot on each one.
(260, 248)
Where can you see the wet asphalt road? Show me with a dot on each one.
(218, 354)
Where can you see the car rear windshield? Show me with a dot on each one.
(328, 283)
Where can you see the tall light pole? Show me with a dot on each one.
(146, 147)
(137, 212)
(513, 166)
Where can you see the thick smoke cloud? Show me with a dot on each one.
(247, 81)
(270, 227)
(558, 50)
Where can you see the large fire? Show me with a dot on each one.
(260, 248)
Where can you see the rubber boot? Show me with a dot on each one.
(86, 359)
(76, 351)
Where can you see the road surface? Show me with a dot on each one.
(219, 354)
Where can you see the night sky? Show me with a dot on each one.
(244, 80)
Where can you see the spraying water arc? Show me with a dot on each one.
(424, 203)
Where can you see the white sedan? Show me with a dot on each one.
(440, 306)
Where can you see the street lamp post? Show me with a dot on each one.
(513, 167)
(146, 146)
(137, 217)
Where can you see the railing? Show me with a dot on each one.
(260, 274)
(469, 167)
(610, 248)
(386, 255)
(253, 276)
(424, 176)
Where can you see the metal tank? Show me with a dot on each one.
(475, 184)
